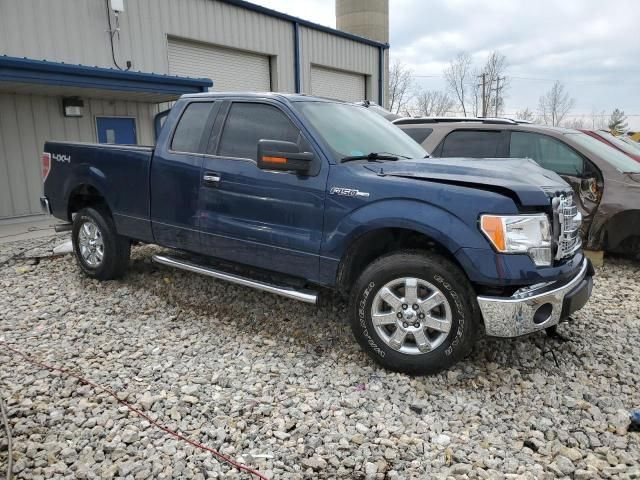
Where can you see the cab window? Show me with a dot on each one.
(194, 122)
(247, 123)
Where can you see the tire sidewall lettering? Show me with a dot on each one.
(362, 318)
(459, 313)
(456, 303)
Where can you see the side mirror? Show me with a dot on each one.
(284, 156)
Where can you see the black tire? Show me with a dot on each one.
(442, 274)
(117, 249)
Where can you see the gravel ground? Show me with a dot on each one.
(283, 387)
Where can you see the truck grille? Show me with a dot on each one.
(566, 223)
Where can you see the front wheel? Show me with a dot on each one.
(101, 253)
(412, 312)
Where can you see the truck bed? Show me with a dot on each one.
(76, 166)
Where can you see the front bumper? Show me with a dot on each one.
(536, 307)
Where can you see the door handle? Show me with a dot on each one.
(211, 178)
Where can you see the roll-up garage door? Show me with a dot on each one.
(327, 82)
(230, 70)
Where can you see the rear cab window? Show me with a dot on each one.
(471, 143)
(193, 128)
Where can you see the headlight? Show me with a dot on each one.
(530, 234)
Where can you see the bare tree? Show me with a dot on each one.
(458, 78)
(598, 119)
(496, 83)
(475, 93)
(432, 103)
(554, 105)
(575, 122)
(400, 85)
(526, 114)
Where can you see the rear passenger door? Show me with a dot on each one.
(175, 176)
(268, 219)
(473, 143)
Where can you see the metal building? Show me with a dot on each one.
(99, 70)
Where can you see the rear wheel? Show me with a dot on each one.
(100, 252)
(412, 312)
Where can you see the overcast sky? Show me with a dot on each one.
(590, 45)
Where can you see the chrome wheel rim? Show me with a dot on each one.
(91, 244)
(411, 315)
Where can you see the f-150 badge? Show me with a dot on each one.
(348, 192)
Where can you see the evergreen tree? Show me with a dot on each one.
(618, 122)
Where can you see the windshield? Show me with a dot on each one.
(351, 130)
(621, 144)
(612, 156)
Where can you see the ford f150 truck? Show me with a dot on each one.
(288, 193)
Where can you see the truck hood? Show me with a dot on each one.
(523, 178)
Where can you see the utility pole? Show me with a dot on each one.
(484, 98)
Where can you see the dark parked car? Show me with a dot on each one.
(606, 182)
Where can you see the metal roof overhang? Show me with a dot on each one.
(28, 76)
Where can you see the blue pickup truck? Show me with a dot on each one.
(288, 193)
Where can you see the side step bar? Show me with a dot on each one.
(306, 296)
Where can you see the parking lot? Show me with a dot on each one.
(282, 386)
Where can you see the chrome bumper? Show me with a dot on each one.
(531, 309)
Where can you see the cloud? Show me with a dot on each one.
(589, 46)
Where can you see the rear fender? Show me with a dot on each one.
(85, 174)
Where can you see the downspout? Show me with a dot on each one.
(296, 56)
(381, 76)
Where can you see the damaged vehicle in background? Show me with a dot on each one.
(606, 182)
(621, 144)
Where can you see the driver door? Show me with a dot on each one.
(267, 219)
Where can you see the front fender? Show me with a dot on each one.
(436, 223)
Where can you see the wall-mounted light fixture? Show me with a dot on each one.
(117, 6)
(72, 106)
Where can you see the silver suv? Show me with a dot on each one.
(606, 182)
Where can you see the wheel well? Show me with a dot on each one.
(621, 227)
(371, 245)
(85, 196)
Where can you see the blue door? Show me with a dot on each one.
(118, 130)
(267, 219)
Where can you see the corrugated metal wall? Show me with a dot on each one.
(327, 50)
(27, 121)
(74, 31)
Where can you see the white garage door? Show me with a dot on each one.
(326, 82)
(230, 70)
